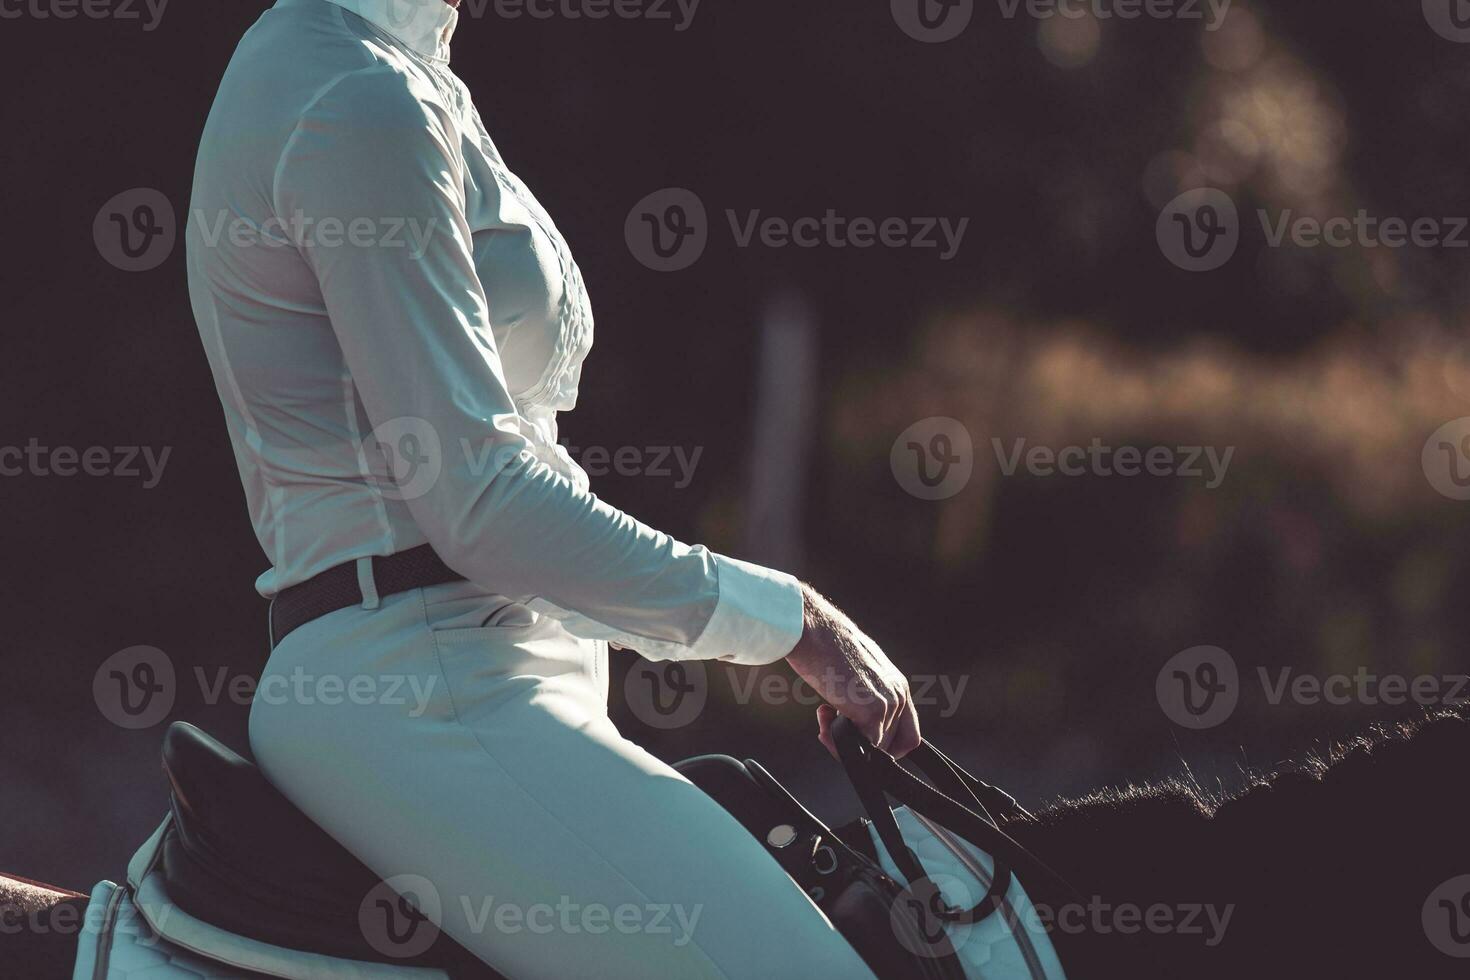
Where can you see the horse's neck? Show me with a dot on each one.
(1152, 852)
(38, 929)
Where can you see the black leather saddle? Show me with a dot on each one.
(239, 856)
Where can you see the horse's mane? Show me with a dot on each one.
(1335, 853)
(1379, 754)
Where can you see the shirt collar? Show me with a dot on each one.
(424, 26)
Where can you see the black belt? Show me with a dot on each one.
(337, 587)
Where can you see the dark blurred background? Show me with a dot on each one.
(1055, 601)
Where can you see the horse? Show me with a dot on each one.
(1352, 862)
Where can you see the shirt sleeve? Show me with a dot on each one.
(414, 329)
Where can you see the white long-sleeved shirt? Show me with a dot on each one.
(393, 323)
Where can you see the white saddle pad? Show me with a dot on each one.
(1008, 944)
(134, 932)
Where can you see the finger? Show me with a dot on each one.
(826, 714)
(875, 725)
(906, 736)
(892, 713)
(885, 741)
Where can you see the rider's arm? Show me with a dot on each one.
(416, 336)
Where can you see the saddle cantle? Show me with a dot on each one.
(239, 856)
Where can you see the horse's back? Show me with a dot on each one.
(38, 940)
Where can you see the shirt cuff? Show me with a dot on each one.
(758, 618)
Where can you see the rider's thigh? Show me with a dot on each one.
(556, 847)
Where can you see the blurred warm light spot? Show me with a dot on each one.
(1294, 123)
(1228, 152)
(1070, 41)
(1238, 44)
(1351, 414)
(1266, 122)
(1262, 120)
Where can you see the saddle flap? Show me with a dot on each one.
(231, 819)
(239, 859)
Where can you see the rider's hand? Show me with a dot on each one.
(855, 678)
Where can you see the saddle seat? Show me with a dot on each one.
(238, 855)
